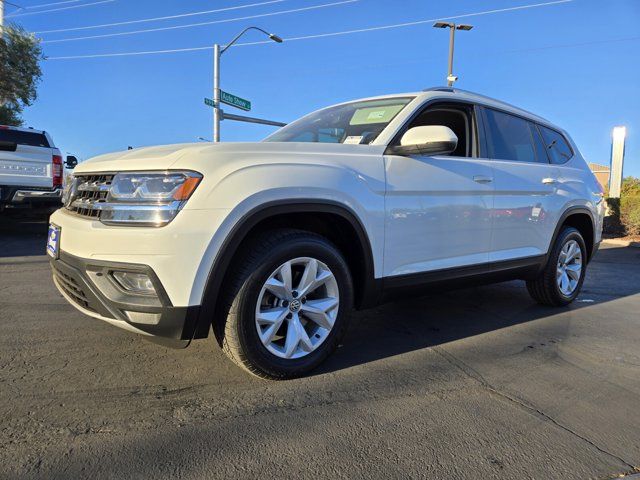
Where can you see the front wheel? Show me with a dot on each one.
(288, 302)
(561, 280)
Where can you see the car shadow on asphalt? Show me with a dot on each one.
(439, 318)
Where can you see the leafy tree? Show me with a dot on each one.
(630, 205)
(20, 55)
(630, 186)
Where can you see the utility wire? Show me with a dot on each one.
(130, 54)
(182, 15)
(42, 5)
(321, 35)
(58, 9)
(521, 50)
(417, 22)
(3, 4)
(191, 25)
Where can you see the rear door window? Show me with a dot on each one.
(556, 145)
(32, 139)
(509, 137)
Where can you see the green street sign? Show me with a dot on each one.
(234, 101)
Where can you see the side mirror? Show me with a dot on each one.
(425, 140)
(71, 162)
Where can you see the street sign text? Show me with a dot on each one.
(235, 101)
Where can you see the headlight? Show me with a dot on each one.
(147, 198)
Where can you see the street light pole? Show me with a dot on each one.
(217, 53)
(452, 32)
(216, 93)
(452, 39)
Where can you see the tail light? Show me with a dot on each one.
(56, 170)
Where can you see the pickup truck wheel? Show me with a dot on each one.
(288, 301)
(561, 280)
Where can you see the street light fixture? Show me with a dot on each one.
(452, 27)
(217, 52)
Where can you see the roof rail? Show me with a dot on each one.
(478, 95)
(439, 89)
(454, 90)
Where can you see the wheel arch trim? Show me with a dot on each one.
(243, 227)
(577, 209)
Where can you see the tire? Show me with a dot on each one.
(545, 289)
(239, 331)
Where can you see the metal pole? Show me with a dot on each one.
(216, 93)
(243, 118)
(452, 34)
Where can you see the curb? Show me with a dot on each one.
(620, 242)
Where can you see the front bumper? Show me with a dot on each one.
(87, 284)
(178, 253)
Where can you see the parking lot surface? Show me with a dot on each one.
(475, 383)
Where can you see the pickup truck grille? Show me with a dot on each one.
(87, 193)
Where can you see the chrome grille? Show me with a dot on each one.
(88, 193)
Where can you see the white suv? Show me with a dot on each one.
(271, 244)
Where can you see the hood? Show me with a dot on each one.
(147, 158)
(195, 155)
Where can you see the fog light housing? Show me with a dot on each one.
(134, 282)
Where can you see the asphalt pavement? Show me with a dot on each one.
(476, 383)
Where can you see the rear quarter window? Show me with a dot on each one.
(32, 139)
(557, 146)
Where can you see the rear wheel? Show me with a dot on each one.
(561, 280)
(288, 302)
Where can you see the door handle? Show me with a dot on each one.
(549, 181)
(482, 179)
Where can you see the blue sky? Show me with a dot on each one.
(575, 63)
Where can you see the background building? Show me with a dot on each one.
(602, 173)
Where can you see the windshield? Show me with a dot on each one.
(355, 123)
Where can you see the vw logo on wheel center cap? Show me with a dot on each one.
(294, 306)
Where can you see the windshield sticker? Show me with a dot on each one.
(365, 116)
(353, 140)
